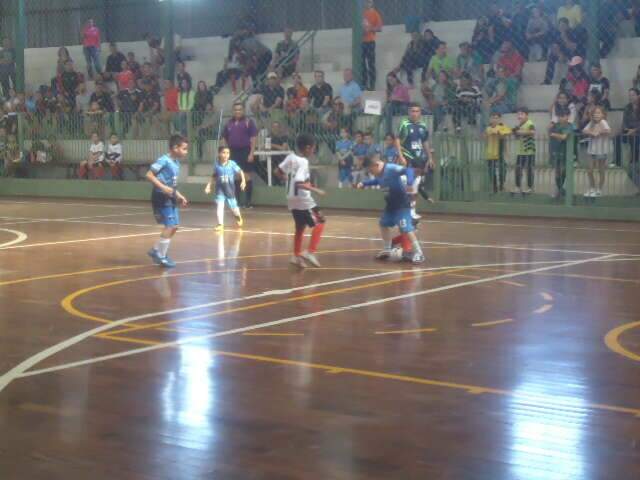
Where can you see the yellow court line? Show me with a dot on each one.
(417, 330)
(612, 341)
(494, 322)
(280, 302)
(472, 389)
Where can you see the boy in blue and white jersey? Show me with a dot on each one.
(224, 175)
(165, 197)
(397, 212)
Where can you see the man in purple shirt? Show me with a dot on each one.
(240, 134)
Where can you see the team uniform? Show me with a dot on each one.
(165, 208)
(397, 212)
(303, 208)
(412, 139)
(225, 190)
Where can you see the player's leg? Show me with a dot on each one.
(300, 225)
(406, 225)
(220, 212)
(169, 217)
(233, 206)
(316, 234)
(387, 222)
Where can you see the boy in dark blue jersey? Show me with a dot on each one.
(397, 212)
(165, 197)
(224, 175)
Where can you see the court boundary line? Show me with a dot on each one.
(20, 237)
(19, 370)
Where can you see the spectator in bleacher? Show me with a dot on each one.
(240, 135)
(321, 93)
(305, 119)
(149, 107)
(500, 24)
(148, 75)
(565, 44)
(483, 40)
(427, 95)
(351, 93)
(271, 95)
(469, 62)
(502, 92)
(536, 35)
(441, 61)
(203, 97)
(298, 87)
(91, 47)
(413, 57)
(577, 81)
(371, 25)
(258, 57)
(431, 44)
(610, 14)
(631, 134)
(563, 102)
(397, 94)
(114, 62)
(182, 74)
(600, 83)
(102, 96)
(232, 70)
(594, 100)
(7, 66)
(519, 25)
(511, 60)
(63, 58)
(156, 53)
(337, 118)
(572, 12)
(134, 65)
(597, 131)
(287, 55)
(279, 143)
(467, 104)
(444, 98)
(125, 79)
(635, 82)
(186, 101)
(83, 99)
(70, 81)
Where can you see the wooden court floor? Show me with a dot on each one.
(513, 353)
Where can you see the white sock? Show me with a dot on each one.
(220, 212)
(386, 238)
(162, 246)
(236, 212)
(415, 244)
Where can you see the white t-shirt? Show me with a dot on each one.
(99, 149)
(297, 170)
(114, 152)
(599, 145)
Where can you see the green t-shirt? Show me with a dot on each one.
(558, 148)
(447, 63)
(526, 145)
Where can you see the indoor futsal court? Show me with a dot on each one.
(511, 353)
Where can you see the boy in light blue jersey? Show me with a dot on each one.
(165, 197)
(344, 154)
(397, 212)
(224, 175)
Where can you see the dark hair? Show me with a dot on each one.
(359, 132)
(414, 105)
(524, 110)
(495, 114)
(596, 65)
(223, 147)
(635, 90)
(563, 20)
(305, 140)
(441, 43)
(177, 140)
(391, 135)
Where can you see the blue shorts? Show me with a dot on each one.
(400, 218)
(231, 201)
(344, 175)
(165, 210)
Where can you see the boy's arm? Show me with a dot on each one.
(368, 183)
(212, 179)
(243, 180)
(159, 185)
(308, 186)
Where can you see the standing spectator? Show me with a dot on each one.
(371, 25)
(572, 12)
(483, 40)
(258, 57)
(63, 58)
(148, 108)
(600, 83)
(496, 134)
(441, 61)
(499, 23)
(156, 54)
(91, 47)
(559, 133)
(536, 35)
(631, 134)
(171, 108)
(413, 57)
(321, 93)
(468, 96)
(577, 81)
(70, 82)
(114, 62)
(232, 70)
(518, 30)
(186, 100)
(563, 103)
(565, 45)
(444, 97)
(469, 62)
(7, 66)
(397, 94)
(102, 97)
(203, 97)
(148, 75)
(240, 134)
(182, 74)
(271, 96)
(511, 60)
(287, 55)
(598, 131)
(344, 156)
(351, 93)
(594, 100)
(525, 133)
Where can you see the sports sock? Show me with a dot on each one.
(386, 237)
(236, 212)
(297, 242)
(162, 246)
(415, 244)
(316, 235)
(220, 213)
(406, 242)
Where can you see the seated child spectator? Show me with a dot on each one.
(92, 167)
(344, 155)
(360, 150)
(114, 157)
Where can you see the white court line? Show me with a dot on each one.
(20, 369)
(452, 222)
(20, 237)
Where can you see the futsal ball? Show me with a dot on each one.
(396, 254)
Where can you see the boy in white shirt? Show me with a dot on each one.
(300, 202)
(95, 160)
(114, 157)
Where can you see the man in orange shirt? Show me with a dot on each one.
(371, 24)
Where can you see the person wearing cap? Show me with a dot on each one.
(270, 96)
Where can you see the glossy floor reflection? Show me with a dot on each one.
(511, 354)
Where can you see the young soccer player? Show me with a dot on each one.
(344, 154)
(114, 157)
(495, 134)
(94, 160)
(300, 202)
(165, 197)
(559, 133)
(598, 131)
(224, 175)
(397, 212)
(525, 132)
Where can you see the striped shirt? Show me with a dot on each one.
(526, 145)
(601, 144)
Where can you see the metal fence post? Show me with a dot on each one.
(570, 181)
(20, 44)
(356, 40)
(169, 47)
